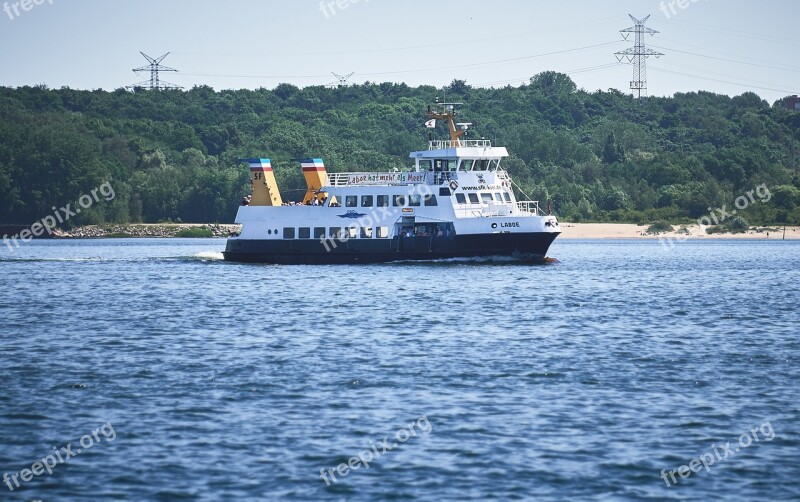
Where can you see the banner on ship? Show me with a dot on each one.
(385, 178)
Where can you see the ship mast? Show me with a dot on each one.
(448, 115)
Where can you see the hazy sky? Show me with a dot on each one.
(725, 46)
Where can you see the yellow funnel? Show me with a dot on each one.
(265, 188)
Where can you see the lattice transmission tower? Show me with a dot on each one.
(155, 67)
(638, 54)
(342, 79)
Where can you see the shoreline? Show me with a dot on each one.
(634, 231)
(569, 231)
(147, 230)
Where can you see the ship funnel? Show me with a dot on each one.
(316, 177)
(265, 188)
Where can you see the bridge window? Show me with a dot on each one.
(304, 233)
(473, 198)
(288, 233)
(424, 165)
(351, 201)
(507, 196)
(466, 165)
(460, 198)
(399, 201)
(430, 200)
(444, 165)
(481, 165)
(366, 201)
(487, 198)
(414, 200)
(383, 201)
(319, 232)
(498, 197)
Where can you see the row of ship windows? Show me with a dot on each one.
(486, 198)
(383, 200)
(419, 200)
(333, 232)
(464, 165)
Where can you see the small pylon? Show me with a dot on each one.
(154, 68)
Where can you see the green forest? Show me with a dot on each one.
(172, 155)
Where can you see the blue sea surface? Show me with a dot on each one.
(595, 377)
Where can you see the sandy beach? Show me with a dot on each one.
(632, 231)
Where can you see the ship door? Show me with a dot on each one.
(405, 233)
(443, 236)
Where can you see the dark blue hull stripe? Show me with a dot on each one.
(313, 251)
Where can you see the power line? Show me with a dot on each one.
(421, 70)
(704, 71)
(750, 86)
(728, 60)
(221, 75)
(569, 72)
(739, 33)
(716, 51)
(487, 63)
(459, 43)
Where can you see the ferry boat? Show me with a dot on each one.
(456, 202)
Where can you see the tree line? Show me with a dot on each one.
(596, 156)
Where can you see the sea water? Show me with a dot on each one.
(597, 376)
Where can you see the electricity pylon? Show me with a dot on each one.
(638, 54)
(154, 68)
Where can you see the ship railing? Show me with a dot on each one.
(338, 179)
(528, 206)
(461, 143)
